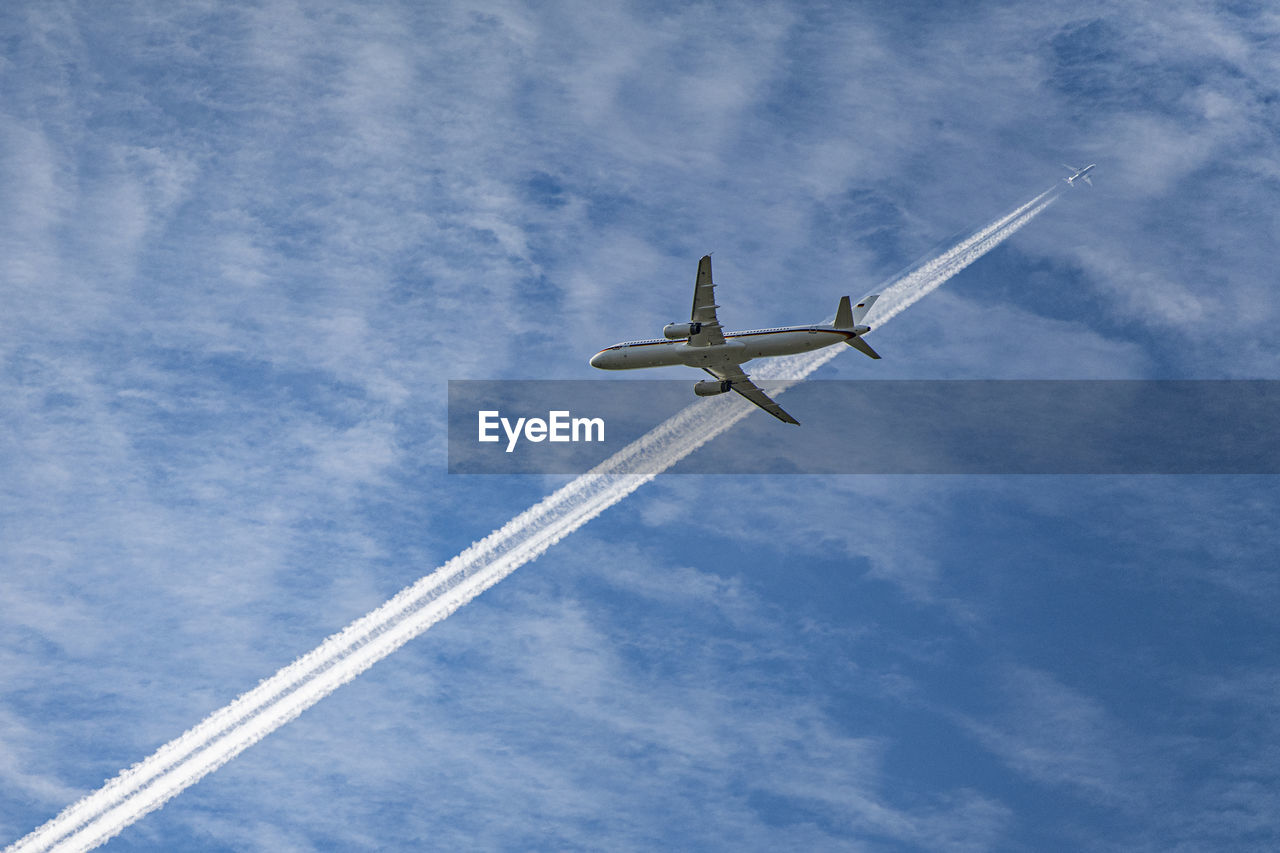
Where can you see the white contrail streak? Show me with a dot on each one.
(923, 280)
(226, 733)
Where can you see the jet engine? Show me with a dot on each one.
(676, 331)
(711, 387)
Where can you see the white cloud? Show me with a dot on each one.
(1055, 734)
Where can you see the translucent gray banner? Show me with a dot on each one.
(882, 427)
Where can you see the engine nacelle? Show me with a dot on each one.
(676, 331)
(711, 387)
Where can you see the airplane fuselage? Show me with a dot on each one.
(738, 348)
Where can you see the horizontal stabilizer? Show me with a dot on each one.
(862, 346)
(844, 315)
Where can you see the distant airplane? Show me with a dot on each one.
(701, 343)
(1081, 174)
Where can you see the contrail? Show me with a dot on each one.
(281, 698)
(926, 278)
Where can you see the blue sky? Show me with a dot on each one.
(243, 247)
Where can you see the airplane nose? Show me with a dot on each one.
(606, 359)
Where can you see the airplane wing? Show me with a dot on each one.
(704, 308)
(744, 386)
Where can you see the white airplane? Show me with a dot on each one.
(702, 343)
(1080, 174)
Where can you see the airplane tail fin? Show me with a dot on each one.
(848, 317)
(860, 310)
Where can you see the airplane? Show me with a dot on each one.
(702, 343)
(1082, 174)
